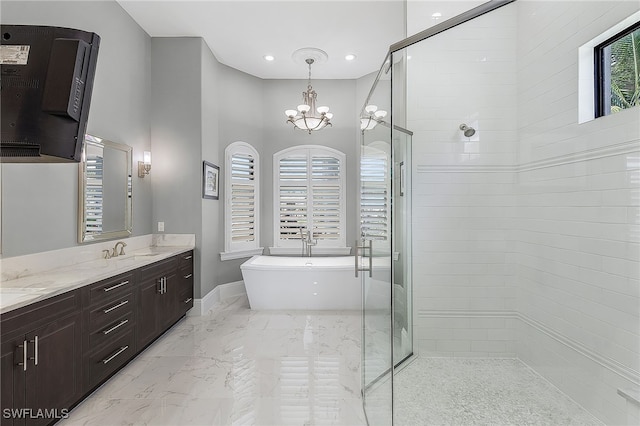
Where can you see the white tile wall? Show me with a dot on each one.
(578, 206)
(463, 221)
(526, 236)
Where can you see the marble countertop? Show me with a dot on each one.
(23, 289)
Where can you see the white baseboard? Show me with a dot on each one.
(218, 294)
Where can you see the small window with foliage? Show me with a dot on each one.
(242, 201)
(617, 67)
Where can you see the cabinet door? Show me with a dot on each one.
(169, 302)
(12, 374)
(53, 376)
(148, 301)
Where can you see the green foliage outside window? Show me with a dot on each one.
(625, 71)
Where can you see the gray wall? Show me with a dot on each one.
(176, 133)
(39, 201)
(237, 90)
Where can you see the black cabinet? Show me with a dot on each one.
(109, 316)
(41, 360)
(185, 286)
(157, 299)
(54, 352)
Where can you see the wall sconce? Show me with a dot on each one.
(144, 166)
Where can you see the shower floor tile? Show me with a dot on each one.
(456, 391)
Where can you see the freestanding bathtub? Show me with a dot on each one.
(301, 283)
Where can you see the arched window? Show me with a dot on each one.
(308, 183)
(242, 201)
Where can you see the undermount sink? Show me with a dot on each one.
(137, 256)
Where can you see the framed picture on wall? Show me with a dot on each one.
(210, 180)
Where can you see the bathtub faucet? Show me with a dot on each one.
(307, 242)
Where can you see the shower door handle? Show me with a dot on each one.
(364, 249)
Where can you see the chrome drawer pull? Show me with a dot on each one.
(35, 349)
(106, 311)
(122, 349)
(187, 257)
(116, 286)
(123, 322)
(186, 277)
(24, 355)
(188, 300)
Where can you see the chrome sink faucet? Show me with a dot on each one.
(115, 249)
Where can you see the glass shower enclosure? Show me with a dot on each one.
(384, 250)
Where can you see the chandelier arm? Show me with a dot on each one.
(306, 125)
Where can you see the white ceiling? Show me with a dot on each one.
(241, 32)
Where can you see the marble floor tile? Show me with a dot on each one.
(236, 366)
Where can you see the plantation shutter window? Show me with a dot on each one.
(242, 201)
(94, 193)
(374, 196)
(292, 196)
(242, 198)
(309, 196)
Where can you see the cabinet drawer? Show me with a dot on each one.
(25, 319)
(159, 268)
(110, 288)
(186, 302)
(185, 261)
(109, 311)
(110, 358)
(111, 330)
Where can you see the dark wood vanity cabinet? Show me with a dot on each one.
(185, 286)
(165, 294)
(158, 294)
(109, 317)
(41, 360)
(55, 351)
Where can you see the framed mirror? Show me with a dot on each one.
(104, 190)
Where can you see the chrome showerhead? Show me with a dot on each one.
(468, 131)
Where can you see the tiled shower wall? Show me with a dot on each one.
(464, 204)
(526, 235)
(578, 217)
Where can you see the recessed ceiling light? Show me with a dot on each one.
(269, 58)
(350, 57)
(436, 15)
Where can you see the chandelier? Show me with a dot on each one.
(307, 116)
(371, 117)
